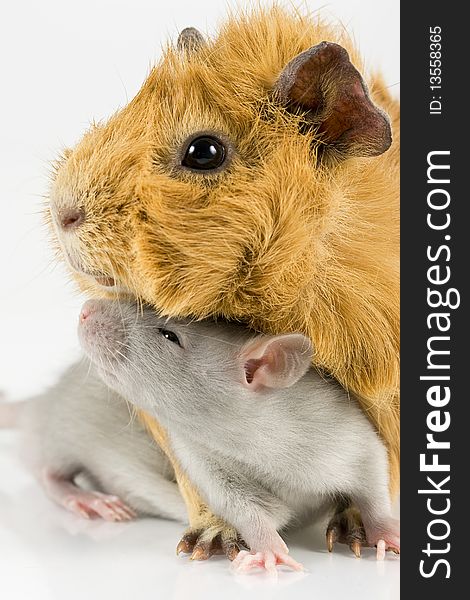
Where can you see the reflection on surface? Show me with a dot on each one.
(50, 554)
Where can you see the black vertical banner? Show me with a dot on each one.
(435, 260)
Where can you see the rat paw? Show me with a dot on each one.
(204, 543)
(97, 505)
(385, 536)
(246, 561)
(346, 527)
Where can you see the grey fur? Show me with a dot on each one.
(262, 459)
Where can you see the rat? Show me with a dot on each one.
(279, 442)
(82, 444)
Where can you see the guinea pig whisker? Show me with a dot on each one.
(130, 279)
(112, 271)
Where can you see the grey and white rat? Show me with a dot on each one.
(80, 431)
(264, 437)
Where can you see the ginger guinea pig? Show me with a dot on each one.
(252, 177)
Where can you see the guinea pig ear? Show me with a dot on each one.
(323, 82)
(190, 40)
(275, 362)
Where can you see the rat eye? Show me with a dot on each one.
(204, 153)
(169, 335)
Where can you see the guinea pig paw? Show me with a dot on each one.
(206, 542)
(91, 504)
(346, 527)
(267, 560)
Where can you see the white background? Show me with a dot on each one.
(63, 64)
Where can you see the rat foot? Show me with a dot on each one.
(87, 504)
(386, 536)
(346, 527)
(276, 554)
(95, 504)
(267, 560)
(202, 543)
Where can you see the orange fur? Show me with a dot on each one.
(278, 240)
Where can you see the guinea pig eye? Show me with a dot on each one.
(170, 336)
(204, 153)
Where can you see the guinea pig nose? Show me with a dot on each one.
(70, 218)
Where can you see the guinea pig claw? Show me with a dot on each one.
(205, 549)
(231, 549)
(331, 537)
(201, 552)
(356, 548)
(204, 543)
(346, 527)
(187, 542)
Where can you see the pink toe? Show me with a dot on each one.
(239, 558)
(293, 564)
(381, 548)
(270, 563)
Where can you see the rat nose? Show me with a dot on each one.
(70, 218)
(86, 311)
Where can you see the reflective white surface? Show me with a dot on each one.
(49, 554)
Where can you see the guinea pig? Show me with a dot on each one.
(265, 438)
(252, 177)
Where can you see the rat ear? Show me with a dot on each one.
(190, 40)
(275, 362)
(323, 82)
